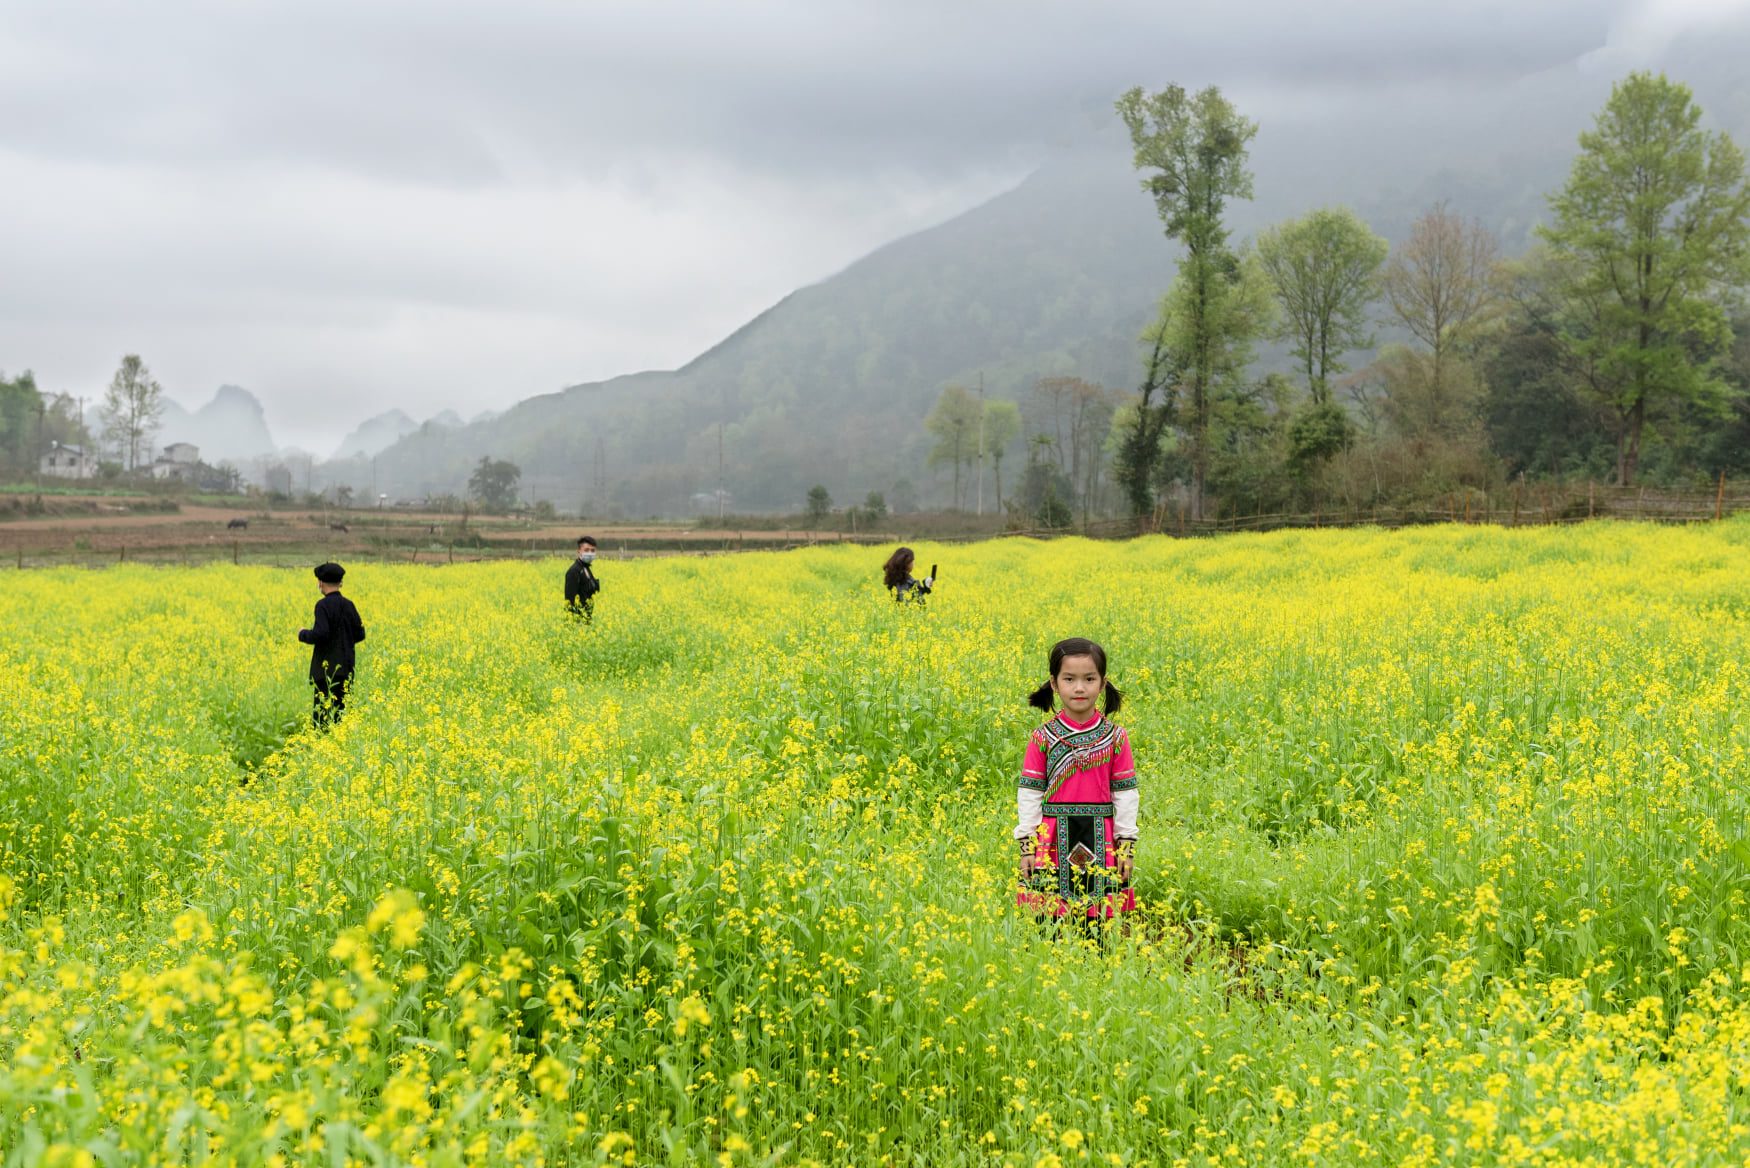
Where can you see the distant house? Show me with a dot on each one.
(177, 462)
(68, 462)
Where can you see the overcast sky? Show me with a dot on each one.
(351, 206)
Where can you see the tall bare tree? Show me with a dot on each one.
(132, 410)
(1441, 284)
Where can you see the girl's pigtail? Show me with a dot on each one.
(1041, 698)
(1114, 699)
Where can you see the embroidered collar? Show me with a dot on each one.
(1070, 748)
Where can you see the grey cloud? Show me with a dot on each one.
(351, 206)
(472, 94)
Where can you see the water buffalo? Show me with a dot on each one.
(236, 523)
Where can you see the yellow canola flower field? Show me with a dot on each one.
(1443, 861)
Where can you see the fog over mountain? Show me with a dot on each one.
(231, 427)
(1056, 277)
(359, 207)
(374, 434)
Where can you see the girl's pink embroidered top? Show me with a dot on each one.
(1078, 786)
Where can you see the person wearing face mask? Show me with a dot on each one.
(580, 582)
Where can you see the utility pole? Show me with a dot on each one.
(720, 470)
(40, 403)
(981, 442)
(84, 442)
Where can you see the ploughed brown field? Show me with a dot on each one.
(96, 527)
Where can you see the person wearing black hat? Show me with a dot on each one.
(336, 631)
(580, 582)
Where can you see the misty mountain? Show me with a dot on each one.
(230, 427)
(1055, 277)
(375, 434)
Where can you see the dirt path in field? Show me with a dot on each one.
(218, 515)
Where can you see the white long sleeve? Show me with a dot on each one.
(1125, 807)
(1029, 810)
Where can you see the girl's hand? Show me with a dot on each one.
(1026, 865)
(1126, 860)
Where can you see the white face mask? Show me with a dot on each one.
(586, 557)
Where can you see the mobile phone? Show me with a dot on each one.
(932, 571)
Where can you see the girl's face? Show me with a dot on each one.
(1078, 683)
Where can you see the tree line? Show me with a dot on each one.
(130, 415)
(1615, 348)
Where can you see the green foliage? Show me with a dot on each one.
(19, 401)
(132, 412)
(1143, 426)
(1002, 425)
(1047, 495)
(1325, 269)
(819, 503)
(1220, 407)
(1192, 151)
(494, 483)
(1317, 433)
(1651, 238)
(955, 425)
(875, 505)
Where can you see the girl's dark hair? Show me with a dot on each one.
(898, 567)
(1044, 697)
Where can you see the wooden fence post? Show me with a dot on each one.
(1515, 504)
(1720, 499)
(233, 553)
(123, 557)
(1591, 489)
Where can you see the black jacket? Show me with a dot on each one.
(580, 584)
(336, 631)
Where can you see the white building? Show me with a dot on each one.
(177, 462)
(68, 462)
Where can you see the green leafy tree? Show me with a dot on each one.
(819, 503)
(1002, 425)
(494, 483)
(1046, 493)
(954, 422)
(20, 412)
(1192, 151)
(1139, 458)
(1653, 228)
(132, 411)
(875, 506)
(1325, 269)
(1220, 404)
(1316, 434)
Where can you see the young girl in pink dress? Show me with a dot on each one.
(1078, 801)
